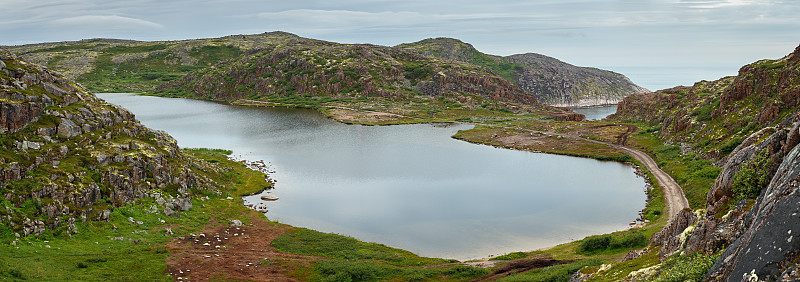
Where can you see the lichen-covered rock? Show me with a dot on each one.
(756, 236)
(68, 128)
(673, 236)
(768, 246)
(62, 139)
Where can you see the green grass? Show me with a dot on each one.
(93, 255)
(144, 74)
(338, 270)
(511, 256)
(692, 172)
(208, 151)
(309, 242)
(556, 273)
(688, 267)
(610, 243)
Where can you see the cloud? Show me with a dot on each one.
(715, 4)
(106, 22)
(334, 18)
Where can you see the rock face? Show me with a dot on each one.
(560, 84)
(552, 81)
(766, 246)
(72, 155)
(751, 211)
(756, 236)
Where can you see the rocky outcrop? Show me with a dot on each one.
(77, 157)
(767, 248)
(749, 125)
(563, 85)
(672, 237)
(569, 116)
(710, 115)
(756, 235)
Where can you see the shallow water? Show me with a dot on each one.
(596, 113)
(407, 186)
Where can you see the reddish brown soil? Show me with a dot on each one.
(227, 253)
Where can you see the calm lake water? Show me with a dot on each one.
(596, 113)
(409, 186)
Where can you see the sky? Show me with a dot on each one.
(657, 43)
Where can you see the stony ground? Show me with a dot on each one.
(228, 252)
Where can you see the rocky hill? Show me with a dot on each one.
(712, 118)
(552, 81)
(67, 155)
(113, 65)
(750, 123)
(314, 68)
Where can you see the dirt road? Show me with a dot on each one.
(673, 193)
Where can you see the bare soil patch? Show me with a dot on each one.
(225, 252)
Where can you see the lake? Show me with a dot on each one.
(407, 186)
(596, 113)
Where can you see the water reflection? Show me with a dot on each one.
(409, 186)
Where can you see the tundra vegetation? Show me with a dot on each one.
(723, 141)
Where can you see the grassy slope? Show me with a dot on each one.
(108, 65)
(141, 255)
(93, 254)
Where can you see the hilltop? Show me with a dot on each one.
(113, 65)
(552, 81)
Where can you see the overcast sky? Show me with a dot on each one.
(657, 43)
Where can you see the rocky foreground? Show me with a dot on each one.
(750, 124)
(68, 156)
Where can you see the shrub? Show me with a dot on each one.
(595, 243)
(730, 146)
(635, 239)
(690, 267)
(752, 177)
(414, 71)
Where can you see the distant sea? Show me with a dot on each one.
(660, 77)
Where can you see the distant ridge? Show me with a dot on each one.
(552, 81)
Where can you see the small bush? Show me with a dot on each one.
(730, 146)
(16, 274)
(752, 177)
(628, 240)
(690, 267)
(352, 271)
(414, 71)
(635, 239)
(595, 243)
